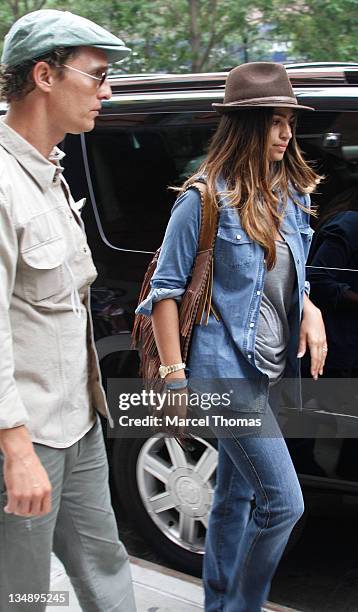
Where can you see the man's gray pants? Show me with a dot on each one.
(81, 529)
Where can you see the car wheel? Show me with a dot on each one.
(167, 493)
(167, 496)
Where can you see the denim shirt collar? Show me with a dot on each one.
(221, 186)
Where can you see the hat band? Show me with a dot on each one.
(260, 101)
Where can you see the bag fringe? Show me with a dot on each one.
(139, 320)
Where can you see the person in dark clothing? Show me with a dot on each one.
(334, 289)
(334, 281)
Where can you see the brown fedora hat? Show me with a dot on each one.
(258, 84)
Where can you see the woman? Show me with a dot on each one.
(255, 167)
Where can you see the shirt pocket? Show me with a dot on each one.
(233, 248)
(43, 252)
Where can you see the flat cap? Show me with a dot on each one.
(39, 32)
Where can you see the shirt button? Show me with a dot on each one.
(238, 236)
(85, 249)
(249, 356)
(252, 324)
(298, 261)
(258, 292)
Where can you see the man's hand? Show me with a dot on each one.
(312, 333)
(27, 484)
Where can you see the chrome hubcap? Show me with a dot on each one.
(176, 488)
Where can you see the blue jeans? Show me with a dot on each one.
(244, 547)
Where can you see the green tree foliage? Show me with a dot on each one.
(204, 35)
(180, 35)
(10, 10)
(318, 30)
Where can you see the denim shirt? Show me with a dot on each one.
(226, 348)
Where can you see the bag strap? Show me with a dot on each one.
(203, 273)
(209, 217)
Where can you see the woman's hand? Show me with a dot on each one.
(313, 334)
(175, 412)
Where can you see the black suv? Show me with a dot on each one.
(153, 133)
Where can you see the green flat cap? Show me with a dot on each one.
(39, 32)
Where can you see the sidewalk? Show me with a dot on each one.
(157, 589)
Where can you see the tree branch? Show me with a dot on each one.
(212, 32)
(194, 32)
(14, 7)
(41, 4)
(209, 47)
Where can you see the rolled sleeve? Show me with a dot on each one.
(12, 410)
(155, 295)
(178, 252)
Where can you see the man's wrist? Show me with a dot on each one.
(15, 442)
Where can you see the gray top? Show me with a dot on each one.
(272, 329)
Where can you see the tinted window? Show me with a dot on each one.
(134, 158)
(132, 161)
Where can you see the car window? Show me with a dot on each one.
(132, 163)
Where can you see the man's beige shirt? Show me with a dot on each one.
(49, 375)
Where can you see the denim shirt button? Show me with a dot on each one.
(252, 324)
(258, 292)
(249, 355)
(238, 236)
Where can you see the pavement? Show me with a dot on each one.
(157, 589)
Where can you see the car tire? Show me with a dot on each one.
(176, 534)
(130, 460)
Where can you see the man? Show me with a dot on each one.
(53, 468)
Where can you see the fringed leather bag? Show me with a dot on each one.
(196, 304)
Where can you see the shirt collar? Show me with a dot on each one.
(44, 171)
(221, 188)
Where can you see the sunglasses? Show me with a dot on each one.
(101, 79)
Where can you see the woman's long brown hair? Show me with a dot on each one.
(239, 152)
